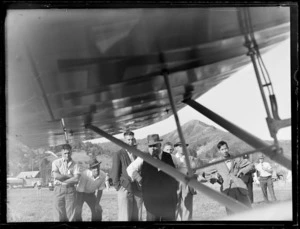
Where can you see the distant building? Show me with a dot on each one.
(31, 178)
(29, 174)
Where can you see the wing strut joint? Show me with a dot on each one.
(273, 120)
(180, 133)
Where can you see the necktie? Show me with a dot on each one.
(156, 157)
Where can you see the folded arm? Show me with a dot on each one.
(60, 177)
(72, 180)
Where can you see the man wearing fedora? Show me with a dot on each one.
(158, 188)
(264, 174)
(129, 194)
(185, 193)
(89, 190)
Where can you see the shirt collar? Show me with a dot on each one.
(97, 177)
(68, 162)
(228, 161)
(128, 152)
(228, 158)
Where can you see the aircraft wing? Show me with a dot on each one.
(109, 62)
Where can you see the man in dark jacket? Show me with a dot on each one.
(248, 177)
(158, 188)
(129, 196)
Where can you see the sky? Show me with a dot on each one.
(238, 99)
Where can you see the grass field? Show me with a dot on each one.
(24, 205)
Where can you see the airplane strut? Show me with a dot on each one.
(229, 202)
(274, 154)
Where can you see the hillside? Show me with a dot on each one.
(202, 140)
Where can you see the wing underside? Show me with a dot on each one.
(108, 63)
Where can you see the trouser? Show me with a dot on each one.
(267, 183)
(236, 194)
(184, 208)
(250, 190)
(130, 205)
(64, 203)
(169, 217)
(90, 199)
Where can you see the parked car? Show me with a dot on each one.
(13, 182)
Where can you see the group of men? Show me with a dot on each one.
(139, 183)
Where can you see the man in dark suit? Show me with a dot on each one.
(158, 188)
(248, 177)
(129, 195)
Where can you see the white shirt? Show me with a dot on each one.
(130, 156)
(228, 163)
(64, 168)
(136, 166)
(88, 184)
(262, 167)
(179, 162)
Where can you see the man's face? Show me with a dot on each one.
(95, 172)
(224, 150)
(179, 149)
(168, 149)
(129, 139)
(134, 143)
(155, 149)
(66, 154)
(261, 160)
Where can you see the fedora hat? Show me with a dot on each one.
(94, 164)
(180, 144)
(153, 139)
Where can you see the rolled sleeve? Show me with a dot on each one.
(55, 167)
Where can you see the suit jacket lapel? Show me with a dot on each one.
(232, 165)
(126, 157)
